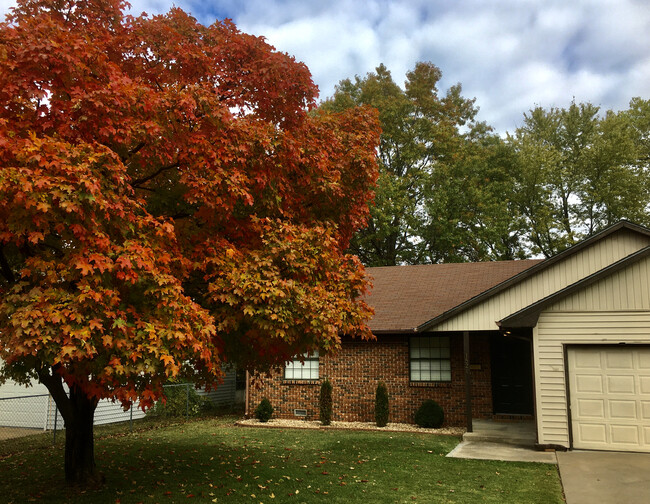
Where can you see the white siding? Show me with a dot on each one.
(561, 274)
(614, 310)
(224, 394)
(32, 407)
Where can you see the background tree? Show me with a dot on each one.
(470, 206)
(580, 172)
(443, 189)
(167, 204)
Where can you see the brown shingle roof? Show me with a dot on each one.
(405, 297)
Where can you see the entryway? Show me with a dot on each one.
(512, 377)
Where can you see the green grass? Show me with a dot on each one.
(213, 461)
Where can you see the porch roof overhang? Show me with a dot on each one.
(528, 316)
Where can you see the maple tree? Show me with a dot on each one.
(170, 201)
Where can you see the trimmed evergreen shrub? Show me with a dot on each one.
(326, 403)
(264, 410)
(430, 415)
(381, 405)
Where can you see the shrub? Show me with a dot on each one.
(264, 410)
(326, 403)
(381, 405)
(430, 415)
(181, 401)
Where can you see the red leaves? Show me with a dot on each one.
(166, 201)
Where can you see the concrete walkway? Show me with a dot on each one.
(511, 441)
(605, 477)
(484, 450)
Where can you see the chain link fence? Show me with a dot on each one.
(26, 415)
(35, 414)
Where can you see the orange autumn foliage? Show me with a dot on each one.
(170, 200)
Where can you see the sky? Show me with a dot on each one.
(511, 55)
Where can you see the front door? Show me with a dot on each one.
(512, 384)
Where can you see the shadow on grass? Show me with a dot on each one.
(210, 460)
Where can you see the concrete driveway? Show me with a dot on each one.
(592, 477)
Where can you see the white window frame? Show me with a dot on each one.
(303, 371)
(430, 358)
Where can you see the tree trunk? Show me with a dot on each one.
(80, 465)
(78, 412)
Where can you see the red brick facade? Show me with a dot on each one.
(357, 368)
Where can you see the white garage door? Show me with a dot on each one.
(610, 397)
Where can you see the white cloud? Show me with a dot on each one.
(509, 54)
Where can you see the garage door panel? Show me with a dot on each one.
(591, 408)
(618, 360)
(593, 433)
(645, 410)
(609, 389)
(620, 385)
(589, 383)
(586, 361)
(644, 360)
(644, 384)
(622, 410)
(625, 434)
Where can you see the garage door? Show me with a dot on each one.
(610, 397)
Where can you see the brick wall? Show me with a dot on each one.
(357, 368)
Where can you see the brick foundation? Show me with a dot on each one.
(357, 368)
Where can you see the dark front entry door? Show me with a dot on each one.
(512, 384)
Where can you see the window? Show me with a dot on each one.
(308, 370)
(430, 358)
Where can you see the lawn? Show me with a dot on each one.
(211, 460)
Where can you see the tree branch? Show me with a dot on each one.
(140, 181)
(133, 152)
(54, 384)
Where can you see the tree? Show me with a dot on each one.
(434, 200)
(169, 201)
(325, 403)
(471, 209)
(580, 172)
(382, 409)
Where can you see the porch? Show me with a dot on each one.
(520, 433)
(494, 440)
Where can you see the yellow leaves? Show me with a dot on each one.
(68, 351)
(95, 324)
(117, 366)
(43, 207)
(35, 237)
(167, 360)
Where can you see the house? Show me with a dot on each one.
(563, 341)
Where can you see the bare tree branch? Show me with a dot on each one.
(140, 181)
